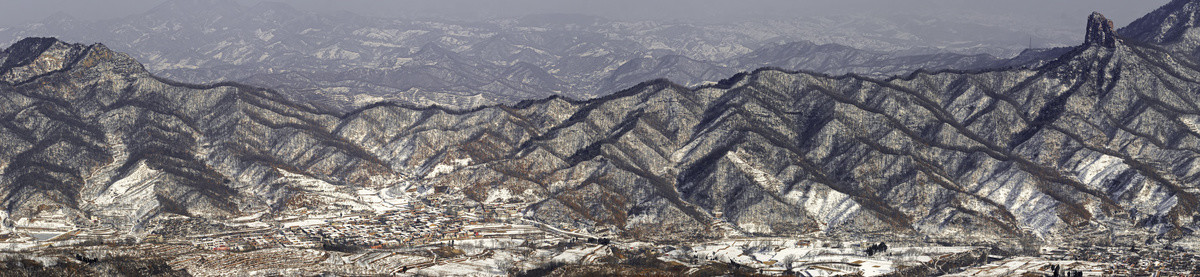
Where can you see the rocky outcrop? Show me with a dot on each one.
(34, 57)
(1100, 31)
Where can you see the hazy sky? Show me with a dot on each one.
(1050, 11)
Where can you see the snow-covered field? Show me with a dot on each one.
(810, 257)
(1019, 266)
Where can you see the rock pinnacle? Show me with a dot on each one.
(1100, 31)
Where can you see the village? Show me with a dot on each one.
(410, 225)
(398, 234)
(447, 239)
(1131, 261)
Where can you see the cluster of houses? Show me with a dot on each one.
(290, 238)
(412, 224)
(1133, 261)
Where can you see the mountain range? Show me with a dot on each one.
(346, 61)
(1098, 143)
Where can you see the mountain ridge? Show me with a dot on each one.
(343, 62)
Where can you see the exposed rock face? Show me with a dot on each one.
(32, 57)
(1100, 31)
(1102, 141)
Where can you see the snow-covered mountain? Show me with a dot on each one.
(1099, 143)
(345, 61)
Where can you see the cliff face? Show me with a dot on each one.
(1102, 141)
(1100, 31)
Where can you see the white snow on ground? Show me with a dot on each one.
(764, 180)
(658, 45)
(596, 52)
(582, 255)
(439, 170)
(828, 206)
(498, 195)
(382, 44)
(333, 52)
(251, 221)
(334, 195)
(394, 35)
(447, 168)
(363, 98)
(382, 200)
(754, 227)
(361, 199)
(4, 228)
(392, 200)
(306, 183)
(136, 185)
(56, 220)
(771, 255)
(1019, 266)
(1101, 168)
(488, 243)
(302, 223)
(495, 265)
(1192, 122)
(264, 35)
(250, 217)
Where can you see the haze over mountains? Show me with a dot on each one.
(345, 61)
(1101, 141)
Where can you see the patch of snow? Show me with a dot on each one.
(302, 223)
(128, 187)
(264, 35)
(438, 170)
(498, 195)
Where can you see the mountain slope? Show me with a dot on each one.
(92, 134)
(1168, 24)
(1172, 26)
